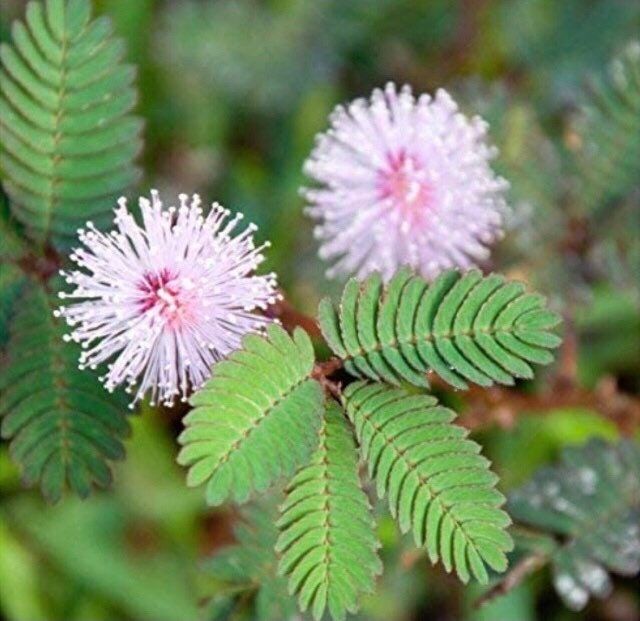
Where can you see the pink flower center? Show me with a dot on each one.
(163, 292)
(403, 182)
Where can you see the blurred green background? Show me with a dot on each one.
(233, 93)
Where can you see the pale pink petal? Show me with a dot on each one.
(404, 181)
(160, 302)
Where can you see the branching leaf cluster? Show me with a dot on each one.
(70, 142)
(264, 415)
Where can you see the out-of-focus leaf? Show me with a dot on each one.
(528, 158)
(20, 599)
(64, 428)
(151, 466)
(609, 330)
(556, 43)
(93, 544)
(518, 604)
(606, 138)
(256, 55)
(591, 503)
(12, 281)
(250, 566)
(538, 437)
(12, 246)
(616, 250)
(534, 165)
(609, 135)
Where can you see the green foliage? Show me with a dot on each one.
(609, 130)
(464, 327)
(328, 544)
(259, 416)
(69, 144)
(250, 564)
(531, 161)
(256, 419)
(12, 281)
(607, 169)
(609, 327)
(18, 579)
(64, 429)
(233, 94)
(437, 484)
(69, 140)
(98, 565)
(130, 553)
(207, 41)
(13, 248)
(557, 43)
(589, 505)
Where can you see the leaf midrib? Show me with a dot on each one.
(427, 338)
(257, 421)
(401, 455)
(57, 134)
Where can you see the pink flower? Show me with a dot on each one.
(404, 181)
(161, 302)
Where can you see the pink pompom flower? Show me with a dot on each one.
(160, 302)
(404, 181)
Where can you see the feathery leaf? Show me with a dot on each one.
(64, 429)
(13, 246)
(327, 543)
(436, 482)
(464, 327)
(609, 158)
(69, 140)
(256, 419)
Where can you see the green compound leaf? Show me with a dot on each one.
(609, 130)
(64, 428)
(327, 543)
(69, 142)
(256, 419)
(437, 484)
(250, 565)
(464, 327)
(591, 503)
